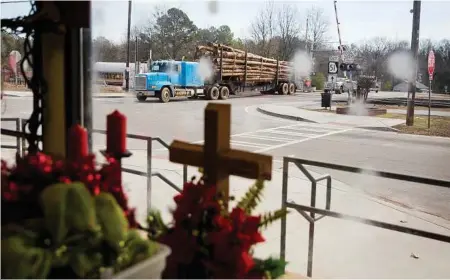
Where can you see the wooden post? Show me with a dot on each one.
(260, 67)
(245, 69)
(277, 73)
(216, 157)
(221, 63)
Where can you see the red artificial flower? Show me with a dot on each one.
(246, 227)
(182, 243)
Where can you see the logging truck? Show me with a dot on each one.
(232, 71)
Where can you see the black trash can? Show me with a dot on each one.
(326, 99)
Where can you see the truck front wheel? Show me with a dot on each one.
(164, 95)
(224, 93)
(141, 98)
(213, 93)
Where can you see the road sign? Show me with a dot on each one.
(431, 63)
(332, 67)
(333, 58)
(14, 58)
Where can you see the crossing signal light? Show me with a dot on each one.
(348, 66)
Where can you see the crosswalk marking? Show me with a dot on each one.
(248, 144)
(277, 139)
(276, 131)
(318, 130)
(267, 139)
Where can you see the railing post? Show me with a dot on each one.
(18, 140)
(24, 143)
(185, 175)
(311, 231)
(149, 175)
(328, 202)
(284, 193)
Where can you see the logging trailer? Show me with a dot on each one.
(233, 71)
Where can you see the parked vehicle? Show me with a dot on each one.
(167, 79)
(340, 86)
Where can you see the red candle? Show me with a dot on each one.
(116, 133)
(78, 143)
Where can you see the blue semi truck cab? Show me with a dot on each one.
(167, 79)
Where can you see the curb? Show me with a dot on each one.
(383, 128)
(266, 112)
(288, 117)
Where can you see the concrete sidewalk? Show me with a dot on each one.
(95, 95)
(342, 249)
(293, 113)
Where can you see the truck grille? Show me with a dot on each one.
(141, 83)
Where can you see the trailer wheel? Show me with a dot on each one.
(213, 93)
(284, 88)
(291, 88)
(224, 93)
(164, 96)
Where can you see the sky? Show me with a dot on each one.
(359, 20)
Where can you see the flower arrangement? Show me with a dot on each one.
(67, 219)
(208, 242)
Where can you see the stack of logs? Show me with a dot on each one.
(243, 66)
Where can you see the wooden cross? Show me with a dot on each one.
(216, 157)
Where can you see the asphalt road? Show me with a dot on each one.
(386, 151)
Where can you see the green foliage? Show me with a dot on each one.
(366, 82)
(77, 232)
(111, 219)
(271, 217)
(156, 225)
(252, 197)
(274, 268)
(318, 80)
(387, 86)
(174, 30)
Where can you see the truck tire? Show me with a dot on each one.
(224, 93)
(284, 88)
(291, 88)
(141, 98)
(164, 95)
(213, 93)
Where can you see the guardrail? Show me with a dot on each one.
(20, 146)
(311, 218)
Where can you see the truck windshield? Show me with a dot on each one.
(162, 67)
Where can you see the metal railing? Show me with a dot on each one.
(311, 218)
(20, 142)
(150, 141)
(20, 146)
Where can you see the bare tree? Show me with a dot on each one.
(263, 29)
(318, 26)
(288, 30)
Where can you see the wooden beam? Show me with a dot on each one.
(246, 164)
(186, 153)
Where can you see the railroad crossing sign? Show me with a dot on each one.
(333, 67)
(431, 64)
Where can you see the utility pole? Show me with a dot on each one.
(414, 49)
(127, 70)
